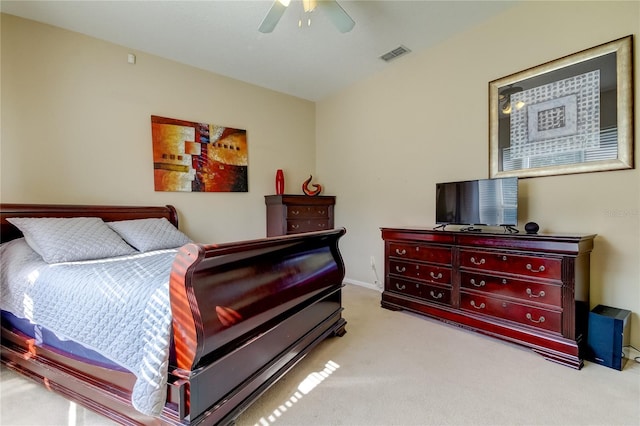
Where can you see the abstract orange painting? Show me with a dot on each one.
(198, 157)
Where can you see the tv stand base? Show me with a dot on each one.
(471, 229)
(532, 290)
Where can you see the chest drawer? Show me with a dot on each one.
(533, 316)
(549, 294)
(425, 253)
(305, 212)
(427, 292)
(296, 226)
(424, 272)
(532, 266)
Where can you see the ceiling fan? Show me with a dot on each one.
(336, 14)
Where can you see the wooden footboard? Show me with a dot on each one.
(242, 310)
(243, 314)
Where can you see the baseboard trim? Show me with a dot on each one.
(362, 284)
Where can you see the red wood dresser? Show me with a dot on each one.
(293, 214)
(528, 289)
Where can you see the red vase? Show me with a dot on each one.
(279, 182)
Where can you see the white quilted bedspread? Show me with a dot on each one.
(118, 307)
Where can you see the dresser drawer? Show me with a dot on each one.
(427, 292)
(404, 287)
(549, 294)
(540, 318)
(305, 212)
(420, 271)
(533, 266)
(425, 253)
(297, 226)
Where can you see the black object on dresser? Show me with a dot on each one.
(532, 290)
(293, 214)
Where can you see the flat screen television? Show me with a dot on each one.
(488, 202)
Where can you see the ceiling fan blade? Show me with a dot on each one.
(273, 16)
(338, 16)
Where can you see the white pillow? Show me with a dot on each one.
(150, 234)
(59, 239)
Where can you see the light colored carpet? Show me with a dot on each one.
(397, 368)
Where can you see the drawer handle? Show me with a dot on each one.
(400, 268)
(530, 318)
(295, 212)
(530, 268)
(477, 262)
(438, 296)
(400, 287)
(321, 211)
(321, 225)
(504, 281)
(434, 276)
(482, 305)
(480, 284)
(401, 252)
(294, 226)
(530, 293)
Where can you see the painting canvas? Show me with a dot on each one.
(570, 115)
(198, 157)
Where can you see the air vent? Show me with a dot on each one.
(393, 54)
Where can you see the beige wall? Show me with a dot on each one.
(76, 128)
(383, 143)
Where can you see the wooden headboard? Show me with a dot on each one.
(9, 232)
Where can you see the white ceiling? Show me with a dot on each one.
(222, 36)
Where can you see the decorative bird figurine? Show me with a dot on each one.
(311, 192)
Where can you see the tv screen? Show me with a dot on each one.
(490, 202)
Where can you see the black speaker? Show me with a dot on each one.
(608, 336)
(531, 227)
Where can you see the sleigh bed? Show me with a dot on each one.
(240, 315)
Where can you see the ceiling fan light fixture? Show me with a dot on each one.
(334, 11)
(309, 5)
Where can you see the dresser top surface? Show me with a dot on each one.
(299, 199)
(552, 243)
(488, 233)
